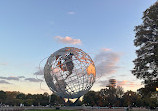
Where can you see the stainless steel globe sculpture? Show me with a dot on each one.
(69, 72)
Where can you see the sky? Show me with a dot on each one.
(31, 30)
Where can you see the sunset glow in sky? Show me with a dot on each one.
(31, 30)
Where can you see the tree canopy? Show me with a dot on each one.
(146, 39)
(105, 97)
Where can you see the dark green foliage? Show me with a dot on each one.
(105, 97)
(2, 96)
(112, 96)
(92, 98)
(131, 98)
(150, 87)
(20, 96)
(109, 95)
(11, 98)
(146, 38)
(16, 98)
(55, 100)
(146, 63)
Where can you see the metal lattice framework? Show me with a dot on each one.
(69, 72)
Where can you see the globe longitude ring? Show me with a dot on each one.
(69, 72)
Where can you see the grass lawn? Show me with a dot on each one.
(139, 110)
(48, 110)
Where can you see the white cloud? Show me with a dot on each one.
(106, 49)
(68, 40)
(33, 80)
(21, 76)
(71, 13)
(106, 62)
(10, 78)
(4, 82)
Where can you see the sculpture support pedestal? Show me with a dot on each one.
(74, 104)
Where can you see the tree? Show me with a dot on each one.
(30, 96)
(45, 99)
(111, 96)
(20, 96)
(131, 98)
(92, 98)
(11, 98)
(2, 96)
(149, 88)
(56, 100)
(119, 91)
(146, 38)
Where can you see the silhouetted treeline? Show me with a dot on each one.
(17, 98)
(117, 98)
(105, 97)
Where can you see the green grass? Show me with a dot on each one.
(48, 110)
(139, 110)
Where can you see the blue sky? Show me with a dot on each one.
(28, 31)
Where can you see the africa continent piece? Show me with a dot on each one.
(69, 72)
